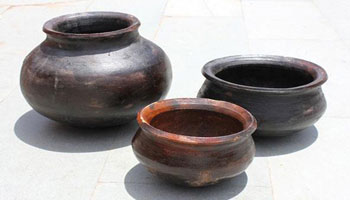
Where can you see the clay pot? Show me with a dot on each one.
(284, 94)
(94, 69)
(194, 142)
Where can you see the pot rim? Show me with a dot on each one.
(156, 108)
(49, 26)
(211, 68)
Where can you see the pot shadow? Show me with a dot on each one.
(274, 146)
(140, 184)
(43, 133)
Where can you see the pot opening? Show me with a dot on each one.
(199, 123)
(265, 75)
(91, 24)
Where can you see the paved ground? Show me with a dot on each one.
(41, 159)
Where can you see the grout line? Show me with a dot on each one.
(8, 94)
(161, 20)
(245, 26)
(208, 8)
(102, 170)
(270, 175)
(89, 5)
(8, 8)
(328, 21)
(158, 28)
(99, 176)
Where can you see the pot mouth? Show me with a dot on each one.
(196, 121)
(91, 25)
(265, 73)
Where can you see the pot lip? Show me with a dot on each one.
(49, 29)
(200, 104)
(316, 71)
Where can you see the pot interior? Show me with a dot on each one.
(266, 75)
(200, 123)
(91, 24)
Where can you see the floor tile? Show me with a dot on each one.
(110, 191)
(287, 19)
(290, 29)
(281, 10)
(347, 43)
(183, 8)
(342, 27)
(3, 9)
(148, 12)
(224, 7)
(48, 160)
(24, 33)
(10, 65)
(322, 165)
(187, 8)
(43, 159)
(119, 162)
(258, 173)
(332, 10)
(192, 42)
(34, 2)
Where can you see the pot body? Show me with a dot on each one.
(192, 165)
(95, 82)
(276, 114)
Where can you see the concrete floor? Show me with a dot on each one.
(41, 159)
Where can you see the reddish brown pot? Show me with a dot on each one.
(194, 142)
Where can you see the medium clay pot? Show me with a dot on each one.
(94, 70)
(194, 142)
(284, 94)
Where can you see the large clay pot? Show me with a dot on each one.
(194, 142)
(284, 94)
(94, 69)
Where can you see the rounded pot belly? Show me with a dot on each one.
(92, 88)
(191, 166)
(277, 115)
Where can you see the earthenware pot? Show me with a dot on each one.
(284, 94)
(94, 69)
(194, 142)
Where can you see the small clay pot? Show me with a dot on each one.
(194, 142)
(284, 94)
(94, 70)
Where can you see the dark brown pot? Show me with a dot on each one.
(284, 94)
(94, 69)
(194, 142)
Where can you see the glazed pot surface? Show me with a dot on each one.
(94, 70)
(284, 94)
(194, 142)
